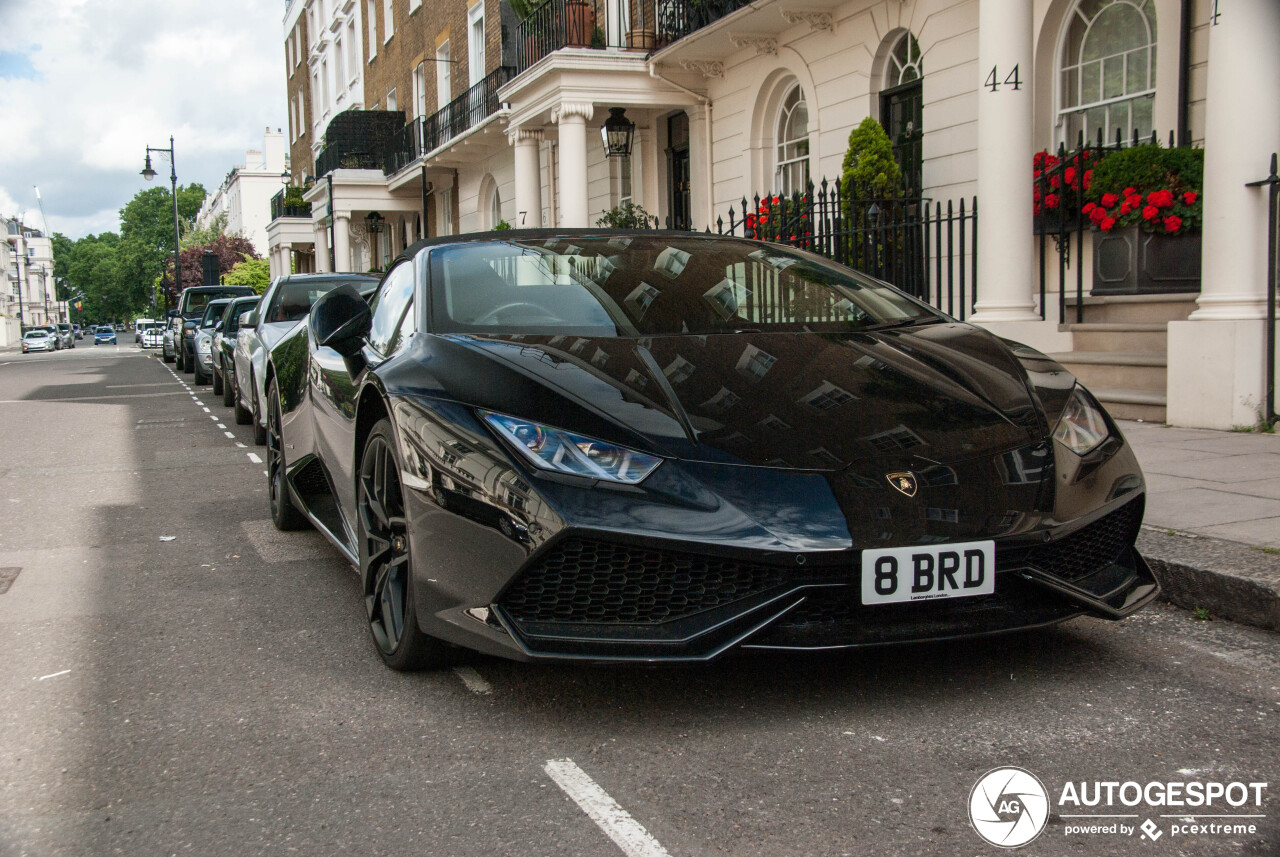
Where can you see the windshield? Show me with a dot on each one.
(35, 334)
(212, 313)
(293, 298)
(193, 303)
(653, 286)
(106, 328)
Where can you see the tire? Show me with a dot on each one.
(259, 430)
(168, 358)
(197, 377)
(284, 514)
(228, 391)
(243, 415)
(386, 566)
(217, 382)
(177, 358)
(188, 361)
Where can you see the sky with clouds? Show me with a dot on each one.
(87, 85)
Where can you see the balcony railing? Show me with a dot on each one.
(638, 25)
(428, 133)
(280, 208)
(357, 140)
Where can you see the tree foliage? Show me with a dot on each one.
(230, 249)
(869, 170)
(250, 272)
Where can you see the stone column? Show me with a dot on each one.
(286, 259)
(528, 177)
(342, 241)
(572, 119)
(1216, 359)
(699, 166)
(322, 247)
(1006, 270)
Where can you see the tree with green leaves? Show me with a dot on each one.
(250, 272)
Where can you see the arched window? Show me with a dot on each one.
(793, 143)
(495, 208)
(904, 62)
(1107, 78)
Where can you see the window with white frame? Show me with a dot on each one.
(420, 89)
(371, 22)
(353, 58)
(475, 43)
(446, 211)
(391, 99)
(793, 142)
(1107, 70)
(339, 75)
(904, 62)
(443, 76)
(388, 25)
(495, 208)
(324, 85)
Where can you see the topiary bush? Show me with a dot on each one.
(869, 170)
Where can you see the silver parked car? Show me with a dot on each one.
(203, 341)
(286, 302)
(38, 340)
(68, 335)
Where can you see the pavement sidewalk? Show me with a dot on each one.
(1212, 525)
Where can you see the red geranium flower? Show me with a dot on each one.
(1069, 176)
(1128, 191)
(1190, 197)
(1097, 215)
(1089, 207)
(1088, 178)
(1134, 200)
(1150, 213)
(1107, 224)
(1125, 209)
(1172, 223)
(1051, 201)
(1109, 200)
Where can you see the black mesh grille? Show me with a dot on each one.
(1089, 549)
(310, 480)
(582, 580)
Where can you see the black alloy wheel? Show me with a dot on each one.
(217, 379)
(385, 561)
(284, 514)
(259, 430)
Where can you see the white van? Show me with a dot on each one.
(149, 332)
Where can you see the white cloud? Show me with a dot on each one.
(114, 77)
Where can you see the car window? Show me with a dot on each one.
(292, 299)
(389, 305)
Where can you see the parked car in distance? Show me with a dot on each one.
(79, 333)
(149, 334)
(286, 302)
(38, 339)
(104, 335)
(203, 339)
(52, 330)
(68, 335)
(166, 344)
(224, 348)
(184, 320)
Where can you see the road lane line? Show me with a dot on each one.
(220, 425)
(206, 410)
(473, 680)
(230, 435)
(253, 456)
(241, 445)
(627, 833)
(53, 675)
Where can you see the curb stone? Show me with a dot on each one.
(1230, 580)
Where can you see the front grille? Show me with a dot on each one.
(583, 580)
(1091, 548)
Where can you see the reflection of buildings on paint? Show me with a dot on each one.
(501, 120)
(26, 281)
(245, 194)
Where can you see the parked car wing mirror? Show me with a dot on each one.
(249, 319)
(173, 313)
(341, 320)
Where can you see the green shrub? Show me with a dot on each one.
(628, 216)
(869, 170)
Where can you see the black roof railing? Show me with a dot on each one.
(281, 208)
(427, 133)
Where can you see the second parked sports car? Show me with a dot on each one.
(657, 447)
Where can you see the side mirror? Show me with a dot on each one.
(341, 320)
(249, 319)
(173, 313)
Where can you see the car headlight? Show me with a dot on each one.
(1082, 426)
(203, 345)
(565, 452)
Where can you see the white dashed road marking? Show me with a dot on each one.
(473, 680)
(253, 456)
(230, 435)
(53, 675)
(220, 425)
(627, 833)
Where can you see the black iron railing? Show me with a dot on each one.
(928, 249)
(560, 24)
(341, 158)
(427, 133)
(678, 18)
(281, 208)
(1272, 183)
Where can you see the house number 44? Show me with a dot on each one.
(1011, 79)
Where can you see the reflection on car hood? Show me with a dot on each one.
(937, 392)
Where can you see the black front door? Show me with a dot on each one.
(678, 171)
(901, 111)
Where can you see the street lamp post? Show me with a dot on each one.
(149, 174)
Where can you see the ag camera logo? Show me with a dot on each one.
(1009, 807)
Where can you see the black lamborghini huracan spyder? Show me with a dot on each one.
(655, 446)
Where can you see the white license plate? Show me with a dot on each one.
(928, 572)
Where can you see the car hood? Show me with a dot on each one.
(940, 392)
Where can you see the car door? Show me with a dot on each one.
(334, 392)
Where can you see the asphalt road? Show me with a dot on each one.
(181, 679)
